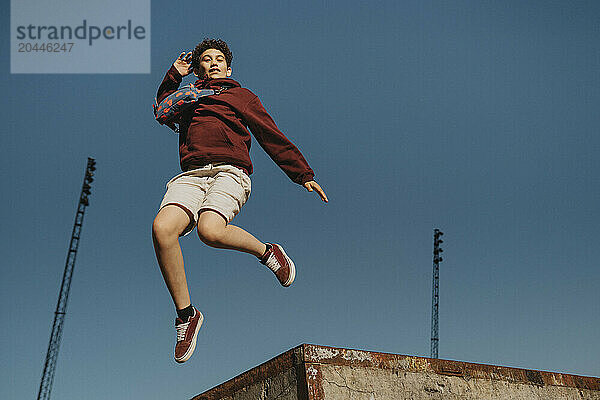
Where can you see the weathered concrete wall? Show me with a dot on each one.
(350, 383)
(281, 386)
(282, 378)
(310, 372)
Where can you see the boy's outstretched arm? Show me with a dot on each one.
(285, 154)
(312, 185)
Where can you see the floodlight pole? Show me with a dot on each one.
(436, 292)
(63, 297)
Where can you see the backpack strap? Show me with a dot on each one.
(223, 88)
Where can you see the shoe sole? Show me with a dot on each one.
(190, 351)
(292, 269)
(292, 275)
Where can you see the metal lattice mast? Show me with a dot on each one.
(63, 297)
(435, 302)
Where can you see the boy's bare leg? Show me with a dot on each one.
(169, 223)
(215, 232)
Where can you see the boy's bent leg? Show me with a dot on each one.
(169, 223)
(214, 231)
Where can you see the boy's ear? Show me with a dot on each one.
(228, 71)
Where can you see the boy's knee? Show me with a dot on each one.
(211, 234)
(163, 230)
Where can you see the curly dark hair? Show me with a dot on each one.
(211, 44)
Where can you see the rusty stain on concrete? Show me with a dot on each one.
(314, 379)
(418, 364)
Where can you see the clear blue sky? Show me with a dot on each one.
(476, 117)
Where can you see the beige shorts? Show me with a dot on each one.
(219, 187)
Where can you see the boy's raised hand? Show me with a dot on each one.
(312, 185)
(183, 64)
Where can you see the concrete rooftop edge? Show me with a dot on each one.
(330, 355)
(306, 354)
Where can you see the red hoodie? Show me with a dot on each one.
(215, 130)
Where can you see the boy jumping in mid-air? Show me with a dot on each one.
(214, 145)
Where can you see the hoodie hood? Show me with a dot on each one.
(210, 83)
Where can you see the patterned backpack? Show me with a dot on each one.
(173, 106)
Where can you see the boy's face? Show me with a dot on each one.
(213, 64)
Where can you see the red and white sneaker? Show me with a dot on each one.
(281, 265)
(186, 336)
